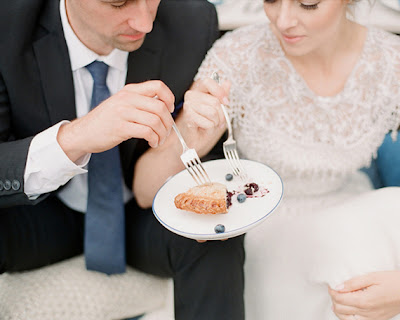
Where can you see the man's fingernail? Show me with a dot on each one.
(225, 100)
(339, 287)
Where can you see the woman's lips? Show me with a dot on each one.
(292, 39)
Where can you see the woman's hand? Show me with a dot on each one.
(202, 121)
(374, 296)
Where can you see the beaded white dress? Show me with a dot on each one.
(330, 225)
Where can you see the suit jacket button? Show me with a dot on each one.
(7, 185)
(1, 185)
(15, 185)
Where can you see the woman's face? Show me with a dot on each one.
(305, 26)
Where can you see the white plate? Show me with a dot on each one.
(392, 4)
(241, 216)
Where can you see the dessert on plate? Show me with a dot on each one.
(206, 198)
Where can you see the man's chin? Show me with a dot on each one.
(129, 45)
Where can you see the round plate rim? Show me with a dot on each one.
(224, 235)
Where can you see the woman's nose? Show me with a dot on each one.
(286, 18)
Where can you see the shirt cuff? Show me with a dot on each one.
(47, 166)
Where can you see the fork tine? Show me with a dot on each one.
(193, 173)
(232, 156)
(192, 161)
(235, 162)
(197, 172)
(228, 156)
(202, 170)
(239, 163)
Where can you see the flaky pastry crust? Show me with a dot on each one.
(207, 198)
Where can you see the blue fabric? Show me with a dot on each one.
(388, 162)
(373, 174)
(104, 219)
(177, 109)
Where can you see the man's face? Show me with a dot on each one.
(103, 25)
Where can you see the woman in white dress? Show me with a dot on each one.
(312, 95)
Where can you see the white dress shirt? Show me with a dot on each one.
(47, 166)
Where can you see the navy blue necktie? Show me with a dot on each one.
(105, 217)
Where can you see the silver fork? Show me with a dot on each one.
(229, 146)
(192, 161)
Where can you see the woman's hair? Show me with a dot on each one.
(353, 3)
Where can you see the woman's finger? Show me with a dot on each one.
(210, 86)
(345, 310)
(204, 105)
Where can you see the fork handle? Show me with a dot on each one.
(215, 77)
(228, 121)
(178, 133)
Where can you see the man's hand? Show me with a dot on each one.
(201, 123)
(131, 113)
(375, 296)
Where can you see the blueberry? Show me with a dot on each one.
(219, 228)
(228, 177)
(241, 197)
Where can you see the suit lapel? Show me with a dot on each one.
(54, 66)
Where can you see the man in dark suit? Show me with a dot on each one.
(48, 135)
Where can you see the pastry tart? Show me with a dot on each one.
(206, 198)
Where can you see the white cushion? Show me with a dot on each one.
(67, 291)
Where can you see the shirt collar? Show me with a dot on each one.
(81, 56)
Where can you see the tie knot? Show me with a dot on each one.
(99, 71)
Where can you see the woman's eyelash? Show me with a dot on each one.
(309, 6)
(304, 6)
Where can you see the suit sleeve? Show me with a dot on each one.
(13, 155)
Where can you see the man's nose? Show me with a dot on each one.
(286, 16)
(141, 17)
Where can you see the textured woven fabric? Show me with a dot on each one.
(67, 291)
